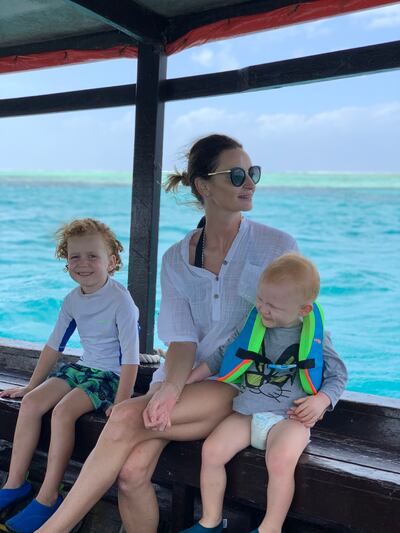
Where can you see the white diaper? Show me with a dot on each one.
(261, 423)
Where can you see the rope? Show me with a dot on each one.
(152, 358)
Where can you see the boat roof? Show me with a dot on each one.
(43, 33)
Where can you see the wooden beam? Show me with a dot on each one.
(333, 65)
(69, 101)
(146, 186)
(129, 17)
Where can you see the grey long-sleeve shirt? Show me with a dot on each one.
(267, 390)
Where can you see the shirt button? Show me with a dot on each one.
(225, 262)
(216, 278)
(216, 295)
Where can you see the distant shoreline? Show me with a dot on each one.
(315, 179)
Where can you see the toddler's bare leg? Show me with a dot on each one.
(227, 439)
(65, 414)
(33, 406)
(285, 443)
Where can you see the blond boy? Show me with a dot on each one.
(107, 321)
(271, 411)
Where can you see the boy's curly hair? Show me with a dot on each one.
(88, 226)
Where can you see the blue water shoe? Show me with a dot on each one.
(32, 517)
(11, 496)
(198, 528)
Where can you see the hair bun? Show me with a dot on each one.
(174, 180)
(185, 178)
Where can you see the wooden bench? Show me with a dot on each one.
(348, 478)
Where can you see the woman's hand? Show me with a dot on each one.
(158, 411)
(108, 411)
(199, 373)
(17, 392)
(310, 409)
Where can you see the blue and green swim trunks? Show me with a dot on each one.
(100, 385)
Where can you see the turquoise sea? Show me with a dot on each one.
(349, 224)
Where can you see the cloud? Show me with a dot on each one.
(217, 57)
(204, 57)
(188, 127)
(209, 118)
(385, 17)
(316, 29)
(389, 110)
(104, 122)
(343, 118)
(358, 138)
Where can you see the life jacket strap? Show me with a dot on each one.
(308, 363)
(260, 358)
(241, 353)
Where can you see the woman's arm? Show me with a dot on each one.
(179, 362)
(200, 373)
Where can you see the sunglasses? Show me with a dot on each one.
(237, 175)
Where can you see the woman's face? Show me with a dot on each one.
(219, 191)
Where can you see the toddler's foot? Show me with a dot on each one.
(198, 528)
(32, 517)
(11, 496)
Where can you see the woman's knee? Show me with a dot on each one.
(124, 421)
(132, 478)
(127, 413)
(136, 472)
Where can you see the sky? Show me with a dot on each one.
(351, 125)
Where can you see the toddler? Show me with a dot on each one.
(280, 353)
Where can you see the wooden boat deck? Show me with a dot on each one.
(348, 478)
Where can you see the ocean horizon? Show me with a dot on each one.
(320, 178)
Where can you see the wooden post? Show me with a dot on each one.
(146, 185)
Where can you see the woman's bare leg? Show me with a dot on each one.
(136, 495)
(227, 439)
(201, 407)
(285, 443)
(34, 405)
(65, 414)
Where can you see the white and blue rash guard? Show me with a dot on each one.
(107, 323)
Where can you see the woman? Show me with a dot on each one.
(208, 283)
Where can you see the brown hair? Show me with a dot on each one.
(88, 226)
(297, 269)
(202, 158)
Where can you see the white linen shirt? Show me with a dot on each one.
(201, 307)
